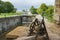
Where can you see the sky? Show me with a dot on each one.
(26, 4)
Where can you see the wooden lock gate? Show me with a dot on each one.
(39, 29)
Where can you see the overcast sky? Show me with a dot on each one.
(26, 4)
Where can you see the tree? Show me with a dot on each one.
(50, 10)
(42, 8)
(33, 10)
(14, 10)
(6, 7)
(9, 7)
(23, 10)
(1, 6)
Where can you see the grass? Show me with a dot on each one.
(49, 17)
(3, 15)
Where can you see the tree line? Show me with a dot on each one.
(43, 8)
(48, 10)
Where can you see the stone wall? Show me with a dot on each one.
(8, 23)
(12, 22)
(57, 11)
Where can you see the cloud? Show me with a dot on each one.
(26, 4)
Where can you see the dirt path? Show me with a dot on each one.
(53, 31)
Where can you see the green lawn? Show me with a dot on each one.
(3, 15)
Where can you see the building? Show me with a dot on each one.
(57, 11)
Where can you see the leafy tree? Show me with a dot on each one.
(6, 7)
(49, 10)
(33, 10)
(42, 8)
(1, 6)
(9, 7)
(23, 10)
(14, 10)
